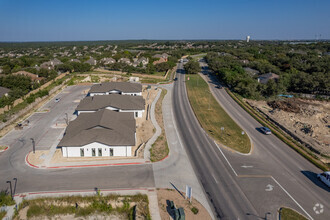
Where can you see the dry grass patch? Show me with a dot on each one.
(159, 149)
(2, 147)
(92, 207)
(213, 117)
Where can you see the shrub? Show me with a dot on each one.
(194, 210)
(5, 198)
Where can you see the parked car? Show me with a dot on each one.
(57, 99)
(218, 87)
(265, 130)
(324, 177)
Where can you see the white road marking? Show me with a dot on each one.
(226, 159)
(245, 166)
(292, 198)
(215, 179)
(269, 188)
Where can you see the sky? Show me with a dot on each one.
(80, 20)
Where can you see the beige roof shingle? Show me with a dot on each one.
(119, 86)
(123, 102)
(105, 127)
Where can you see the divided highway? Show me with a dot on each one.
(248, 186)
(224, 194)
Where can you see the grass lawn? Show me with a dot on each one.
(289, 214)
(159, 73)
(159, 149)
(151, 80)
(212, 117)
(2, 214)
(196, 58)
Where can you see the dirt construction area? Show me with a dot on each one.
(193, 210)
(309, 120)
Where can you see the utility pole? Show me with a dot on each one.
(11, 190)
(33, 145)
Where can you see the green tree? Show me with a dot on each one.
(192, 67)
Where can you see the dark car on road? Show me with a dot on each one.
(265, 130)
(218, 87)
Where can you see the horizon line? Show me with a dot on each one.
(55, 41)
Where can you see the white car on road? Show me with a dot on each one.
(324, 177)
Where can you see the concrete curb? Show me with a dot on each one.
(1, 151)
(158, 129)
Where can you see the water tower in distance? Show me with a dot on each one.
(247, 39)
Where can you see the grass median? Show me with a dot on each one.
(213, 118)
(289, 214)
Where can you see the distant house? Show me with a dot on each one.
(264, 78)
(144, 61)
(32, 76)
(75, 60)
(125, 60)
(164, 55)
(50, 64)
(91, 61)
(161, 60)
(4, 91)
(251, 72)
(107, 61)
(122, 88)
(101, 134)
(114, 102)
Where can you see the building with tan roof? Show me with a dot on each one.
(104, 133)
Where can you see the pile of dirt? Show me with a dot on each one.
(285, 105)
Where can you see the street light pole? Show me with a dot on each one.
(33, 145)
(11, 190)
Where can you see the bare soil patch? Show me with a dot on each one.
(165, 195)
(38, 157)
(307, 119)
(144, 127)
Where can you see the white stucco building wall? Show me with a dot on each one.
(116, 92)
(97, 150)
(137, 113)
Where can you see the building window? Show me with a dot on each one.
(111, 152)
(100, 152)
(136, 114)
(82, 152)
(93, 152)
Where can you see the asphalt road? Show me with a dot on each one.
(248, 186)
(224, 194)
(41, 128)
